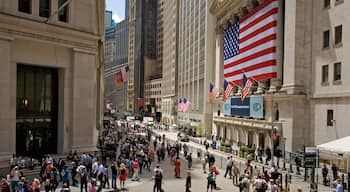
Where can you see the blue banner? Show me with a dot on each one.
(239, 108)
(257, 107)
(226, 107)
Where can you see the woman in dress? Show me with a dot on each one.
(123, 175)
(177, 167)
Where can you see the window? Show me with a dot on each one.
(325, 74)
(63, 12)
(330, 117)
(327, 3)
(337, 71)
(338, 34)
(326, 39)
(338, 2)
(44, 8)
(25, 6)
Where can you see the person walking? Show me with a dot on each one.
(123, 175)
(335, 172)
(235, 174)
(114, 172)
(177, 168)
(74, 173)
(324, 174)
(158, 177)
(189, 160)
(83, 179)
(188, 181)
(210, 181)
(229, 164)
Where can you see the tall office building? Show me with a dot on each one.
(311, 97)
(195, 69)
(51, 76)
(142, 49)
(110, 61)
(170, 30)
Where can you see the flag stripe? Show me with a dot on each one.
(253, 67)
(265, 6)
(262, 35)
(257, 43)
(246, 37)
(243, 66)
(257, 72)
(251, 57)
(259, 19)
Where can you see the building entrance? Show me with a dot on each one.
(36, 110)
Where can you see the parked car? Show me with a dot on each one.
(181, 136)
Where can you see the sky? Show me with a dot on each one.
(118, 9)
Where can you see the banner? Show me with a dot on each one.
(239, 108)
(257, 107)
(251, 107)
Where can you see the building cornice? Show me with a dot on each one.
(33, 30)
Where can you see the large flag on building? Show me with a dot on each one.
(250, 45)
(246, 86)
(186, 105)
(125, 73)
(179, 105)
(212, 92)
(227, 90)
(119, 79)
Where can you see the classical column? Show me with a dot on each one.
(256, 136)
(8, 98)
(219, 57)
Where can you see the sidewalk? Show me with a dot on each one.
(220, 161)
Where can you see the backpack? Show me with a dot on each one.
(210, 177)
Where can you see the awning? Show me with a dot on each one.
(339, 146)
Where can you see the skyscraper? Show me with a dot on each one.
(142, 48)
(195, 70)
(170, 26)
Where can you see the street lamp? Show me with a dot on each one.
(284, 153)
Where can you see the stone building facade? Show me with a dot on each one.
(308, 100)
(51, 76)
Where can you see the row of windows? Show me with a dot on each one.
(327, 3)
(336, 73)
(25, 6)
(338, 33)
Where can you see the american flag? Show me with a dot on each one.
(186, 105)
(250, 45)
(247, 84)
(212, 92)
(227, 90)
(180, 106)
(125, 73)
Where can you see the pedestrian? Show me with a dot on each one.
(235, 174)
(106, 177)
(14, 178)
(339, 186)
(324, 174)
(177, 168)
(245, 183)
(229, 164)
(158, 177)
(83, 179)
(189, 160)
(260, 184)
(65, 175)
(92, 187)
(334, 171)
(65, 187)
(210, 181)
(74, 173)
(204, 163)
(5, 186)
(35, 187)
(123, 175)
(114, 172)
(188, 181)
(135, 166)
